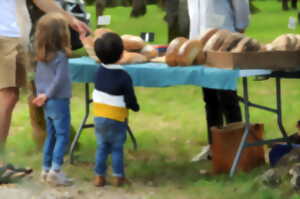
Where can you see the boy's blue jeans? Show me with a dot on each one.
(57, 116)
(111, 136)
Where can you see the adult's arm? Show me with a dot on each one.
(51, 6)
(241, 12)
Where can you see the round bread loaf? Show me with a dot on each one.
(132, 57)
(149, 51)
(282, 42)
(100, 31)
(297, 47)
(132, 42)
(293, 41)
(216, 40)
(172, 50)
(231, 41)
(188, 52)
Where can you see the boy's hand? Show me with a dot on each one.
(39, 100)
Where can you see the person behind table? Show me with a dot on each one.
(113, 96)
(232, 15)
(14, 37)
(52, 45)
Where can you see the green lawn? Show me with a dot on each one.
(171, 127)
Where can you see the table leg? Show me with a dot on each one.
(246, 130)
(83, 123)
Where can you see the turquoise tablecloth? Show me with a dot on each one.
(160, 75)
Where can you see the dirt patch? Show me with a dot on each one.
(33, 189)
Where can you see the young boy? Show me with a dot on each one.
(113, 96)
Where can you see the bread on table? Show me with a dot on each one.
(149, 51)
(100, 31)
(161, 59)
(282, 42)
(231, 41)
(132, 42)
(216, 40)
(172, 50)
(207, 35)
(188, 52)
(247, 44)
(132, 57)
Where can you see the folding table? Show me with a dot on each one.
(83, 70)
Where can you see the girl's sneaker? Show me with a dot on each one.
(58, 179)
(44, 175)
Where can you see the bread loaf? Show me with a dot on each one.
(100, 31)
(172, 50)
(207, 35)
(293, 42)
(246, 44)
(132, 57)
(161, 59)
(188, 52)
(231, 41)
(216, 41)
(149, 51)
(132, 42)
(282, 42)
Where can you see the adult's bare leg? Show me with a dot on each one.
(8, 99)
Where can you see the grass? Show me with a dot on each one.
(171, 126)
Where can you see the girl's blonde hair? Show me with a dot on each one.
(52, 34)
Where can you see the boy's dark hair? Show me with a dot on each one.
(109, 48)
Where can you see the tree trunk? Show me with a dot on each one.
(285, 5)
(138, 8)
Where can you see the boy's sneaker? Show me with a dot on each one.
(44, 175)
(99, 181)
(58, 179)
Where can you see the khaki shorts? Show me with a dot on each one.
(13, 63)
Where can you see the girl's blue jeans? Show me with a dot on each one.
(57, 116)
(111, 136)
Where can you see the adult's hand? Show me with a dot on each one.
(51, 6)
(81, 27)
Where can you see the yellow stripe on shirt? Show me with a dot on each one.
(110, 112)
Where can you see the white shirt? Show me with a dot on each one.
(223, 14)
(14, 19)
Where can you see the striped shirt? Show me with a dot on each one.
(113, 94)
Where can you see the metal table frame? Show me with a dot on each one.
(84, 124)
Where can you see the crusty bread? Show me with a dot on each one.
(297, 47)
(172, 50)
(149, 51)
(282, 42)
(100, 31)
(161, 59)
(188, 52)
(132, 57)
(246, 44)
(231, 41)
(216, 40)
(132, 42)
(207, 35)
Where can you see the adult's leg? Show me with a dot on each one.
(230, 105)
(213, 110)
(8, 99)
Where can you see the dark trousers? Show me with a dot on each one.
(220, 105)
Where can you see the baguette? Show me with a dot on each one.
(132, 57)
(149, 51)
